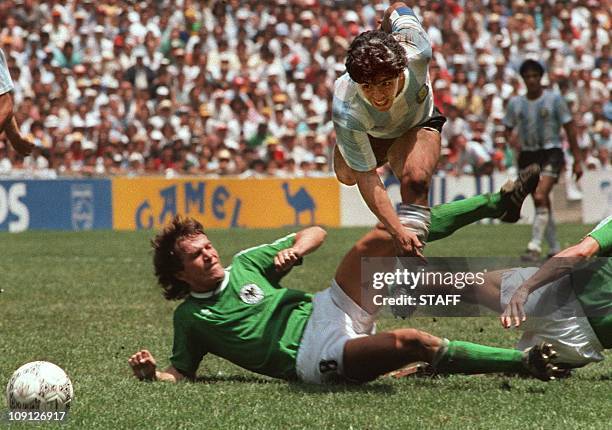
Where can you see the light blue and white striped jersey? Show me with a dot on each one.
(539, 121)
(6, 83)
(354, 117)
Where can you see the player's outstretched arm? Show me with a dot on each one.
(145, 368)
(561, 264)
(375, 195)
(307, 240)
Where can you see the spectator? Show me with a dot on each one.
(235, 73)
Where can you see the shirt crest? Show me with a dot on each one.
(251, 294)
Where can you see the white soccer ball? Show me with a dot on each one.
(39, 386)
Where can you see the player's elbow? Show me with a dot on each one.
(319, 232)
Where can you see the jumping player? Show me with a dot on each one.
(383, 111)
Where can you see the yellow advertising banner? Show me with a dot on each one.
(141, 203)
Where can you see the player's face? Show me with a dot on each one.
(382, 91)
(532, 80)
(202, 269)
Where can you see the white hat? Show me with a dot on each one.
(307, 14)
(88, 145)
(52, 121)
(306, 33)
(351, 16)
(136, 156)
(165, 104)
(242, 14)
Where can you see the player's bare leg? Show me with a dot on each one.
(541, 199)
(376, 243)
(413, 158)
(366, 358)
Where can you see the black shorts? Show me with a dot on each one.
(435, 122)
(551, 161)
(381, 146)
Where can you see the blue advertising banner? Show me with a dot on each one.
(55, 205)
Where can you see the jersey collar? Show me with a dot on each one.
(217, 290)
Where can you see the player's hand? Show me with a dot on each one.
(23, 146)
(143, 365)
(408, 244)
(285, 259)
(577, 170)
(515, 311)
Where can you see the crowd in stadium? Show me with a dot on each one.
(245, 87)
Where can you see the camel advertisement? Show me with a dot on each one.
(143, 203)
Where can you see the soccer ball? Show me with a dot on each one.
(39, 386)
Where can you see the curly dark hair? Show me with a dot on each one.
(531, 65)
(167, 258)
(375, 53)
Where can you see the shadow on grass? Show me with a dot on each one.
(343, 387)
(212, 379)
(297, 386)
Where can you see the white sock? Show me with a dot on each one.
(415, 218)
(551, 235)
(539, 226)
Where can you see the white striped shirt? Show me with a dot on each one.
(6, 83)
(355, 118)
(539, 121)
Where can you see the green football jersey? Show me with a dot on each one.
(249, 319)
(596, 284)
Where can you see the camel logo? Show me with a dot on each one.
(544, 112)
(300, 201)
(251, 294)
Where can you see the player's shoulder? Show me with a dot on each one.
(183, 311)
(348, 108)
(345, 89)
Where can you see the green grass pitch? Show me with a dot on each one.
(86, 301)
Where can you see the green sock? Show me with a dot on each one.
(467, 357)
(449, 217)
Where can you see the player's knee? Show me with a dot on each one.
(540, 199)
(416, 342)
(417, 184)
(375, 243)
(345, 176)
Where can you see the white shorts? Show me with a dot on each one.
(335, 319)
(554, 315)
